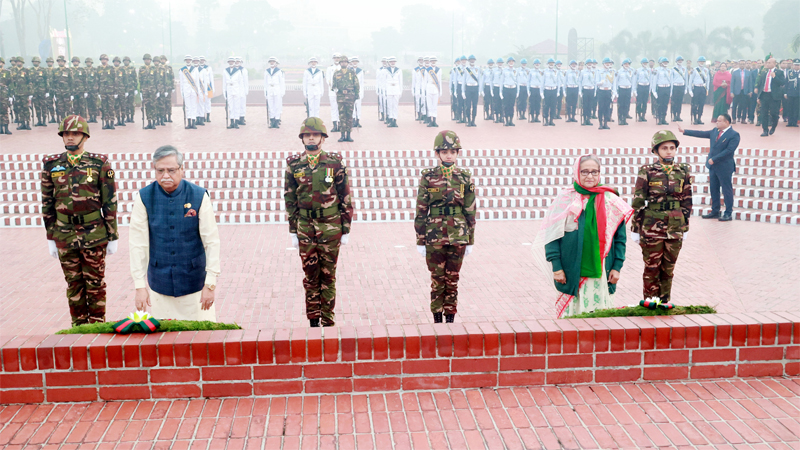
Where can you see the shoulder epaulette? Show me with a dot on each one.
(465, 172)
(98, 156)
(47, 159)
(335, 155)
(293, 158)
(426, 171)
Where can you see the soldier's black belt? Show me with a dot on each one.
(77, 219)
(318, 213)
(445, 211)
(664, 206)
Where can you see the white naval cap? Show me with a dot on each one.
(195, 58)
(189, 57)
(337, 55)
(238, 58)
(426, 58)
(231, 58)
(272, 58)
(383, 59)
(312, 59)
(354, 58)
(433, 58)
(202, 57)
(391, 59)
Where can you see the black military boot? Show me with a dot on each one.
(349, 139)
(4, 129)
(437, 317)
(336, 126)
(314, 323)
(232, 125)
(111, 124)
(243, 122)
(52, 119)
(342, 137)
(121, 122)
(208, 118)
(449, 318)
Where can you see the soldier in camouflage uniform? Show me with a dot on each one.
(166, 93)
(5, 82)
(319, 209)
(107, 85)
(79, 209)
(148, 83)
(80, 94)
(21, 82)
(62, 88)
(345, 85)
(662, 202)
(161, 76)
(93, 88)
(120, 93)
(40, 91)
(445, 223)
(131, 88)
(51, 112)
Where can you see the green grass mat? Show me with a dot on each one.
(166, 326)
(629, 311)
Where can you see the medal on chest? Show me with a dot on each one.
(89, 178)
(329, 175)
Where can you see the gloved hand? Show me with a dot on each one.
(480, 93)
(691, 93)
(99, 96)
(468, 250)
(11, 100)
(635, 237)
(85, 95)
(501, 96)
(126, 95)
(158, 94)
(464, 96)
(30, 97)
(71, 97)
(46, 94)
(112, 247)
(294, 241)
(52, 249)
(655, 94)
(685, 234)
(166, 94)
(135, 92)
(115, 95)
(345, 239)
(421, 250)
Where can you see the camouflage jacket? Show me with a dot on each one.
(655, 185)
(324, 186)
(62, 81)
(161, 77)
(169, 79)
(120, 84)
(107, 79)
(79, 81)
(347, 84)
(147, 77)
(131, 79)
(39, 85)
(78, 190)
(48, 71)
(436, 191)
(5, 78)
(92, 78)
(21, 83)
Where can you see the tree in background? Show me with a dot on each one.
(734, 39)
(780, 28)
(255, 23)
(18, 8)
(387, 41)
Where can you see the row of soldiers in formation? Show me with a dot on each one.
(317, 82)
(107, 91)
(539, 90)
(197, 89)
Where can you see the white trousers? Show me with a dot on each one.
(313, 105)
(420, 102)
(234, 102)
(357, 109)
(208, 104)
(190, 105)
(392, 103)
(186, 307)
(242, 106)
(380, 102)
(334, 107)
(275, 106)
(432, 102)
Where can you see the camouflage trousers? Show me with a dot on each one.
(84, 270)
(659, 256)
(40, 105)
(79, 106)
(22, 110)
(63, 105)
(120, 105)
(3, 105)
(107, 106)
(92, 104)
(51, 112)
(444, 263)
(130, 104)
(319, 252)
(149, 102)
(345, 104)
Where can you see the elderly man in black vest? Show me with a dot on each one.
(174, 243)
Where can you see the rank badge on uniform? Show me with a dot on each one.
(110, 174)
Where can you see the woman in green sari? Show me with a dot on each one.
(722, 91)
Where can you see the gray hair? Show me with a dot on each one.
(590, 157)
(166, 151)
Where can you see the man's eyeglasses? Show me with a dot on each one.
(593, 173)
(169, 171)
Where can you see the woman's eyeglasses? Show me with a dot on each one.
(593, 173)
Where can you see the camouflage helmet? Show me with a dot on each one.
(343, 58)
(49, 59)
(116, 59)
(446, 140)
(103, 56)
(74, 122)
(662, 136)
(126, 58)
(61, 58)
(36, 59)
(164, 57)
(88, 60)
(147, 56)
(76, 59)
(2, 60)
(313, 125)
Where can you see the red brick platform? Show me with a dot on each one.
(750, 413)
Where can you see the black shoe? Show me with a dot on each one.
(772, 130)
(208, 118)
(242, 121)
(764, 134)
(511, 122)
(336, 126)
(314, 323)
(349, 139)
(110, 124)
(678, 120)
(198, 121)
(437, 317)
(449, 318)
(536, 120)
(726, 217)
(150, 125)
(52, 120)
(341, 138)
(711, 215)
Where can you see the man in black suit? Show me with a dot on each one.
(742, 85)
(720, 164)
(769, 89)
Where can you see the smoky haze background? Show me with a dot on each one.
(294, 30)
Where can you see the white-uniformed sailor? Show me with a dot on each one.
(274, 90)
(354, 61)
(433, 90)
(313, 87)
(245, 89)
(332, 95)
(394, 89)
(232, 91)
(200, 81)
(189, 92)
(208, 72)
